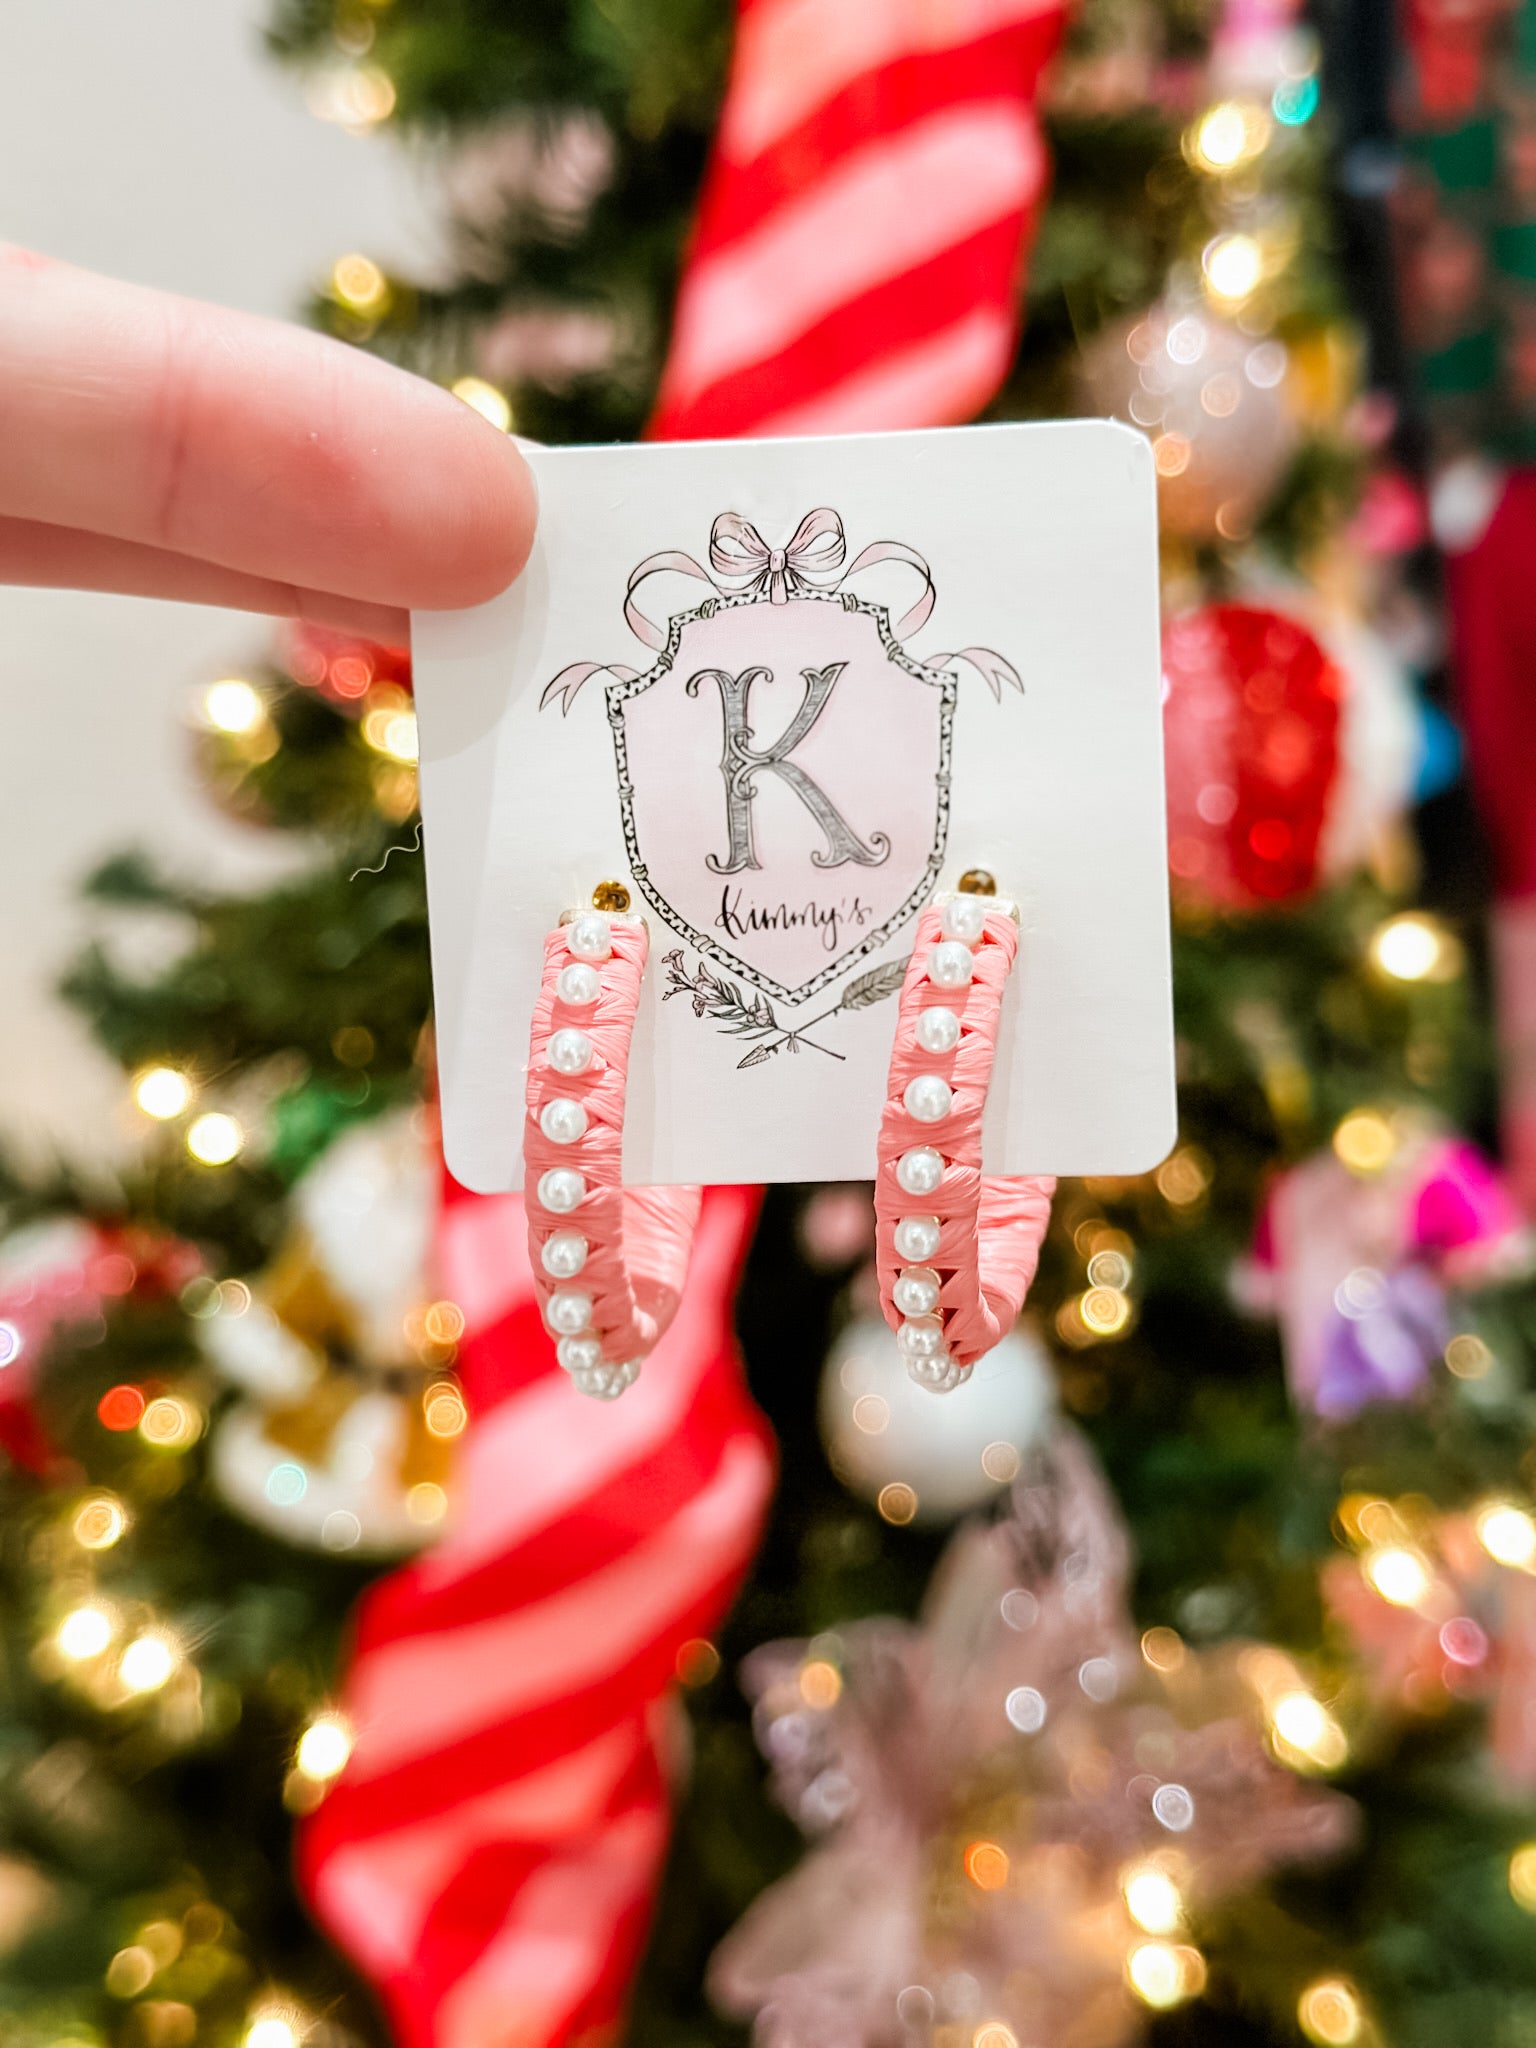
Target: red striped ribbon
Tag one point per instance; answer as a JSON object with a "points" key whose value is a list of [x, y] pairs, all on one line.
{"points": [[859, 250]]}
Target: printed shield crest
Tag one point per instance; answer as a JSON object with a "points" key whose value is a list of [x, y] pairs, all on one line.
{"points": [[784, 779]]}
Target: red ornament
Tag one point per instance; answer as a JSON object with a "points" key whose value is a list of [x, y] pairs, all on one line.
{"points": [[1252, 724]]}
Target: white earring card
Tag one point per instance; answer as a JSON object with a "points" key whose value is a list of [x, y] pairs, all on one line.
{"points": [[785, 692]]}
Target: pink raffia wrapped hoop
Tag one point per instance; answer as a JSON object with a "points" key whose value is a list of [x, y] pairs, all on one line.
{"points": [[955, 1250], [608, 1261]]}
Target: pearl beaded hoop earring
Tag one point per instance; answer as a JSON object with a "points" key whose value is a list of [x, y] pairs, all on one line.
{"points": [[608, 1261], [955, 1250]]}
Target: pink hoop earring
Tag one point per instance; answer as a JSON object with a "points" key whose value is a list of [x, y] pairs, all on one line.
{"points": [[608, 1261], [955, 1250]]}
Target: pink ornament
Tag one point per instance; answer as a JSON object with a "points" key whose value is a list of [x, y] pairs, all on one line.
{"points": [[1365, 1259]]}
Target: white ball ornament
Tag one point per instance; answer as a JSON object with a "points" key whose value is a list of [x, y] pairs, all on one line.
{"points": [[938, 1029], [882, 1429], [1212, 400]]}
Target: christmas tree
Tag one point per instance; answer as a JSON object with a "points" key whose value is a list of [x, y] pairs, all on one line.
{"points": [[1301, 1348]]}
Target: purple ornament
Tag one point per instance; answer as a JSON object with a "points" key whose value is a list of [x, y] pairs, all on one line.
{"points": [[1384, 1336]]}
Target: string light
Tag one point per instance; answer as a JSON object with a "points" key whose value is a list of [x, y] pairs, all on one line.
{"points": [[486, 400], [1162, 1975], [821, 1684], [324, 1748], [897, 1503], [986, 1865], [129, 1972], [994, 2034], [443, 1406], [1105, 1311], [1522, 1877], [214, 1139], [1301, 1725], [1184, 1178], [1468, 1357], [392, 732], [162, 1093], [1407, 948], [1233, 266], [698, 1661], [1163, 1649], [1329, 2013], [233, 706], [146, 1664], [1152, 1899], [358, 284], [1227, 135], [356, 97], [1399, 1576], [270, 2030], [1000, 1461], [444, 1322], [170, 1424], [1110, 1269], [1294, 101], [286, 1484], [84, 1633], [1364, 1141], [1507, 1533], [120, 1408], [99, 1521], [426, 1503]]}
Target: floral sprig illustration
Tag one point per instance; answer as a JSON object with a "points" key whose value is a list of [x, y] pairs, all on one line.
{"points": [[713, 995]]}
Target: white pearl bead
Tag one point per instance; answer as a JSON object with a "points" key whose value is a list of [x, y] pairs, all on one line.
{"points": [[964, 918], [580, 1354], [919, 1171], [563, 1120], [916, 1292], [561, 1189], [950, 964], [606, 1382], [928, 1097], [564, 1254], [570, 1052], [917, 1237], [578, 984], [938, 1029], [589, 937], [568, 1312], [922, 1337], [939, 1375]]}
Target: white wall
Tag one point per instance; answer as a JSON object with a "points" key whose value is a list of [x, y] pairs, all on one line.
{"points": [[154, 140]]}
